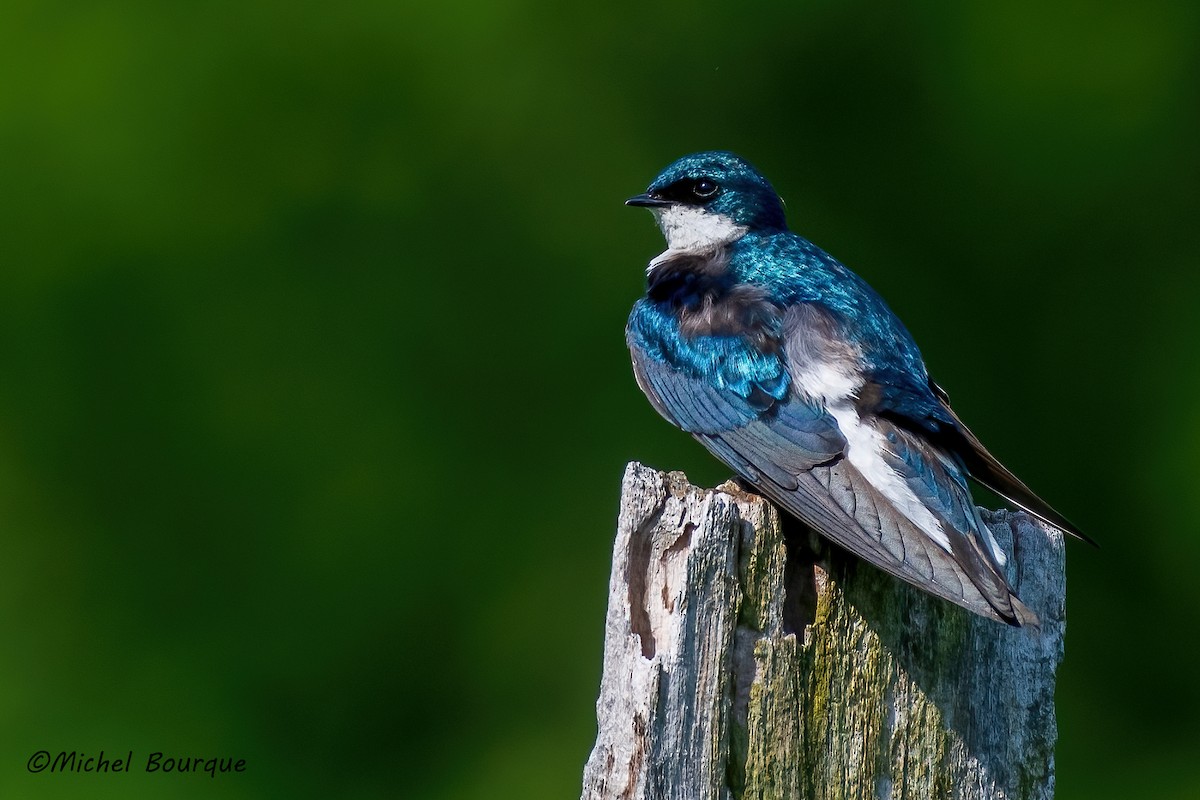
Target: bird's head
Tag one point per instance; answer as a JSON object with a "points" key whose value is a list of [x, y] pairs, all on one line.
{"points": [[706, 200]]}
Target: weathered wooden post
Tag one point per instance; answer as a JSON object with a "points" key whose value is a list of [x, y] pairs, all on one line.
{"points": [[741, 665]]}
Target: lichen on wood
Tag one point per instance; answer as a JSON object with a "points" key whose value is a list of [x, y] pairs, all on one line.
{"points": [[743, 662]]}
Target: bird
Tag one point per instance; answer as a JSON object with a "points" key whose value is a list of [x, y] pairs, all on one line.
{"points": [[795, 373]]}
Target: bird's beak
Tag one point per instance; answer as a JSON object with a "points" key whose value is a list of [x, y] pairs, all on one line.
{"points": [[647, 201]]}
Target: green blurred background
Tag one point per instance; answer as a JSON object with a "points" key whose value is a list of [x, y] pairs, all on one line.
{"points": [[314, 399]]}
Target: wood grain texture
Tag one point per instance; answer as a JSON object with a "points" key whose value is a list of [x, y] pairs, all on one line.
{"points": [[740, 663]]}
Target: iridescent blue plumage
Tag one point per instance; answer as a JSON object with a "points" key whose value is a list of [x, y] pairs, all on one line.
{"points": [[792, 370]]}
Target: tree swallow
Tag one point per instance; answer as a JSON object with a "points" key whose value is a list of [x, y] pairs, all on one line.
{"points": [[789, 368]]}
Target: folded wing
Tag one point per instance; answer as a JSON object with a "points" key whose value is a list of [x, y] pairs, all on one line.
{"points": [[793, 451]]}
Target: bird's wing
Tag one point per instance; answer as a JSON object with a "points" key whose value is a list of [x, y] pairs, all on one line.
{"points": [[844, 505], [796, 433], [793, 451]]}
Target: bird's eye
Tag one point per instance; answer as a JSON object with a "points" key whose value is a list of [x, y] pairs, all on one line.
{"points": [[704, 188]]}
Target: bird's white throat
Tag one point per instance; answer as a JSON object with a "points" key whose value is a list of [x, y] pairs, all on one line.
{"points": [[688, 228]]}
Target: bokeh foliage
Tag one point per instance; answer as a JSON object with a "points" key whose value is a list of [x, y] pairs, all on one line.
{"points": [[314, 396]]}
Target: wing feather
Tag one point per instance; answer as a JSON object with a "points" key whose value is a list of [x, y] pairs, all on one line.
{"points": [[793, 451], [836, 499], [988, 471]]}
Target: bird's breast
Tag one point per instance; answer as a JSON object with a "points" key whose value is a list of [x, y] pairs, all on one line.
{"points": [[696, 288], [745, 311]]}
